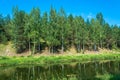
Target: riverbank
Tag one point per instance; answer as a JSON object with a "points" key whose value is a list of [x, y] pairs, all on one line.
{"points": [[57, 59]]}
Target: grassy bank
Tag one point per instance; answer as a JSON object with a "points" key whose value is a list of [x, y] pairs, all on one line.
{"points": [[57, 59]]}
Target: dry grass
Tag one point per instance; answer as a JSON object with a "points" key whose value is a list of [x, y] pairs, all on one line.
{"points": [[8, 50]]}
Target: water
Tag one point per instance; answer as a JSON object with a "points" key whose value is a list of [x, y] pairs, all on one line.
{"points": [[77, 71]]}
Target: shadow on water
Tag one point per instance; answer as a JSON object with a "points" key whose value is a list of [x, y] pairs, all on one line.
{"points": [[80, 71]]}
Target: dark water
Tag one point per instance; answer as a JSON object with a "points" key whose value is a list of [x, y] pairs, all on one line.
{"points": [[79, 71]]}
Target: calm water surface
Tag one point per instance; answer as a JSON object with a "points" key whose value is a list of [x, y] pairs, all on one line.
{"points": [[77, 71]]}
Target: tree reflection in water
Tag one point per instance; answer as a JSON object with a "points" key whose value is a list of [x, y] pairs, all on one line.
{"points": [[80, 71]]}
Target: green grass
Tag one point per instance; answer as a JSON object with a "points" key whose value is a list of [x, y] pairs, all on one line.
{"points": [[57, 59]]}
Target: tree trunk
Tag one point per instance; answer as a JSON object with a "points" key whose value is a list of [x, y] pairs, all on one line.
{"points": [[29, 47], [83, 48], [101, 44], [62, 45], [62, 48], [78, 47], [108, 46], [52, 49], [62, 41], [94, 47], [34, 46], [49, 49], [116, 44], [39, 47]]}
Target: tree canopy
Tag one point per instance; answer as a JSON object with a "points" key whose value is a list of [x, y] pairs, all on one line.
{"points": [[57, 31]]}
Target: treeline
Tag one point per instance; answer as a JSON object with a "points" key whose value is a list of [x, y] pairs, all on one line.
{"points": [[57, 31]]}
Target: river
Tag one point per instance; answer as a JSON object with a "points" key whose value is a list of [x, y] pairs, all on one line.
{"points": [[109, 70]]}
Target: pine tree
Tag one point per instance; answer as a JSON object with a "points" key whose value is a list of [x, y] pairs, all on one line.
{"points": [[61, 28], [71, 30], [35, 30], [115, 36], [53, 41], [18, 30], [45, 30], [3, 37], [108, 36], [101, 21], [95, 33]]}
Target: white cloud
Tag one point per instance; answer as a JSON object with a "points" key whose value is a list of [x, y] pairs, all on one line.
{"points": [[87, 16], [90, 16]]}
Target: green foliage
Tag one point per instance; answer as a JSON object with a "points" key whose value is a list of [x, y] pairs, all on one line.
{"points": [[57, 31], [18, 30], [3, 29]]}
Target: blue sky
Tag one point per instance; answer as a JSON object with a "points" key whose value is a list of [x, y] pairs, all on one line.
{"points": [[85, 8]]}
